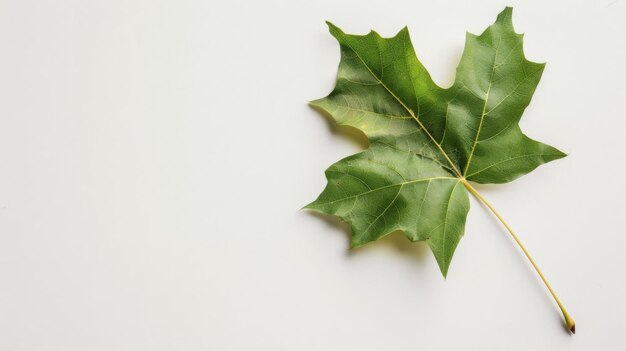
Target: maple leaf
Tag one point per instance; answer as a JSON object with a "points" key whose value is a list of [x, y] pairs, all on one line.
{"points": [[426, 142]]}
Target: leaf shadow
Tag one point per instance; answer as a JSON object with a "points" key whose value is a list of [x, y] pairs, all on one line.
{"points": [[355, 135], [395, 241]]}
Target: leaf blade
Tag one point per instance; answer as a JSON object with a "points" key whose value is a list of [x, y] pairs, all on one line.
{"points": [[375, 191], [416, 128]]}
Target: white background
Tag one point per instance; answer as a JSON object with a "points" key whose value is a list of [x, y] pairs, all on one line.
{"points": [[154, 156]]}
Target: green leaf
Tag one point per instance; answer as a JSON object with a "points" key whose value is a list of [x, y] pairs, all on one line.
{"points": [[427, 142]]}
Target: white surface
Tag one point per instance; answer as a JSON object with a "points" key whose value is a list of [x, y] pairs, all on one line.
{"points": [[154, 155]]}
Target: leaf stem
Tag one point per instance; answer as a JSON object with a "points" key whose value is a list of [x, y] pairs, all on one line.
{"points": [[569, 322]]}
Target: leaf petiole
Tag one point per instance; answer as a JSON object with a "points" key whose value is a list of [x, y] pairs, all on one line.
{"points": [[569, 321]]}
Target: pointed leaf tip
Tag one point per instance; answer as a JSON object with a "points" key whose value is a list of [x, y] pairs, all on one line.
{"points": [[506, 16], [375, 34], [333, 29], [404, 31], [354, 244]]}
